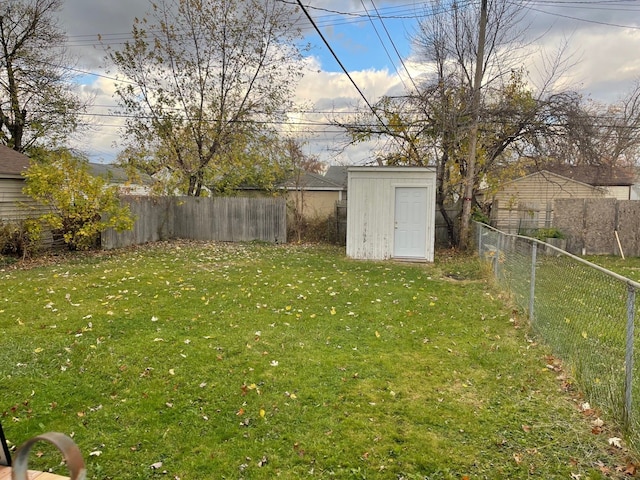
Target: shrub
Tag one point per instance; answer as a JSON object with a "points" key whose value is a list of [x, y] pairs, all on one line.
{"points": [[81, 205], [313, 230], [19, 238], [543, 233]]}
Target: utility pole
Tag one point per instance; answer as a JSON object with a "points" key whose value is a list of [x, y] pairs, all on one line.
{"points": [[469, 181]]}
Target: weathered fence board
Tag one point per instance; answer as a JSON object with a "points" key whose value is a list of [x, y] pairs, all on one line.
{"points": [[226, 219], [590, 225]]}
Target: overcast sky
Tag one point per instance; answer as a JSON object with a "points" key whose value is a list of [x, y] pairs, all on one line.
{"points": [[603, 36]]}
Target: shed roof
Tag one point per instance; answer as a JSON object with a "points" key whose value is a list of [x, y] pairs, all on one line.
{"points": [[12, 163]]}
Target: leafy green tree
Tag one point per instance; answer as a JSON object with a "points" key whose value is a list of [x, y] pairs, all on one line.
{"points": [[38, 101], [204, 81], [80, 205]]}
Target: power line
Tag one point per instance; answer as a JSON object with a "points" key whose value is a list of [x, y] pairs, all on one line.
{"points": [[400, 12], [394, 47], [573, 17], [383, 45], [334, 18], [343, 67]]}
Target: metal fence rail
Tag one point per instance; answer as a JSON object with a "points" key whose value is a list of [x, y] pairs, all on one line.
{"points": [[585, 313]]}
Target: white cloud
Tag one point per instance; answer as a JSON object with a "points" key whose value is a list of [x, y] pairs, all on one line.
{"points": [[609, 63], [335, 97], [99, 137]]}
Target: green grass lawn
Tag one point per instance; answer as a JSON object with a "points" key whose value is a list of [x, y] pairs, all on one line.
{"points": [[197, 361], [628, 267]]}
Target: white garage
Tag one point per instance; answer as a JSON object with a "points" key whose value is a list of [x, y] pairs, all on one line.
{"points": [[391, 213]]}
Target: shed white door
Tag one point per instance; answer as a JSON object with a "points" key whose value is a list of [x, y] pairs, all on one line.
{"points": [[410, 239]]}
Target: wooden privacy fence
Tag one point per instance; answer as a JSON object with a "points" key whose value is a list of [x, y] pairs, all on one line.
{"points": [[224, 219], [594, 225]]}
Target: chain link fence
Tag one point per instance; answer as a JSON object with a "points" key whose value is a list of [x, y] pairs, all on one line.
{"points": [[585, 313]]}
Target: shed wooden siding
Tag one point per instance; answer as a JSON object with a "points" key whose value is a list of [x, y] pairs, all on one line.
{"points": [[531, 198], [371, 209]]}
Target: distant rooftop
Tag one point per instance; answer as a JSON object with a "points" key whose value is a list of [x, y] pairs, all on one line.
{"points": [[337, 174], [314, 181], [116, 174], [596, 175]]}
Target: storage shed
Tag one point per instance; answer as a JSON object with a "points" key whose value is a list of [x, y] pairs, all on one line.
{"points": [[391, 213]]}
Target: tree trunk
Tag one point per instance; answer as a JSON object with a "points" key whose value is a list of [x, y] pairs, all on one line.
{"points": [[470, 177], [191, 191], [441, 199]]}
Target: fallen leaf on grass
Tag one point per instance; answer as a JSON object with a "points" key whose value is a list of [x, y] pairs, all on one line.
{"points": [[615, 442], [603, 468], [155, 466], [597, 426]]}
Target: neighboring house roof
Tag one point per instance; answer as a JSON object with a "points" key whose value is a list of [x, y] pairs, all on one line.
{"points": [[338, 174], [595, 175], [334, 180], [312, 181], [546, 175], [117, 175], [12, 163]]}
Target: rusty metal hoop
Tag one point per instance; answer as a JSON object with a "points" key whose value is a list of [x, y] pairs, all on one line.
{"points": [[69, 449]]}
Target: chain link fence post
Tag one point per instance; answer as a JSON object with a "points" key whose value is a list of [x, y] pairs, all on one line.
{"points": [[532, 287], [496, 258], [628, 384]]}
